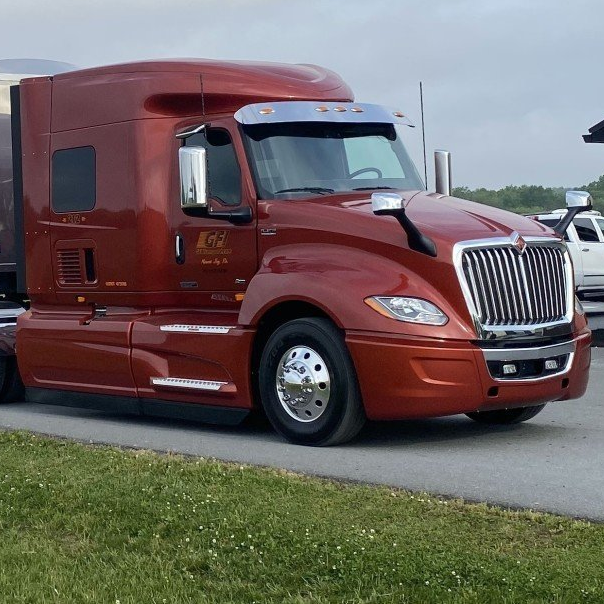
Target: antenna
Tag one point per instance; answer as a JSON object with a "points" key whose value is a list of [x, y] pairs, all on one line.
{"points": [[421, 102]]}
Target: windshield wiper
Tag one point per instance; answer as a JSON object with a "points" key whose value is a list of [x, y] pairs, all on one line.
{"points": [[371, 188], [321, 190]]}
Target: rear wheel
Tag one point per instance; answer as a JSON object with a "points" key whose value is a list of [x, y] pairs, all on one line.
{"points": [[506, 416], [308, 385], [11, 388]]}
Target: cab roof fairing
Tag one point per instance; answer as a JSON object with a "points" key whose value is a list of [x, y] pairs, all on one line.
{"points": [[317, 111]]}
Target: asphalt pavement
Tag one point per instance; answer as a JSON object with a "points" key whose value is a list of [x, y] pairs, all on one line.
{"points": [[554, 462]]}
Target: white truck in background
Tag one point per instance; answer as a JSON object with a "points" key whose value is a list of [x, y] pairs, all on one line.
{"points": [[585, 241]]}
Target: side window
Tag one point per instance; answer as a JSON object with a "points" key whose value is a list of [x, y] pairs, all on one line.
{"points": [[73, 180], [552, 222], [586, 230], [224, 176]]}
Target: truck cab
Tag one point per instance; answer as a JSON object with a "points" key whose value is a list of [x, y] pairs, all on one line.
{"points": [[202, 239]]}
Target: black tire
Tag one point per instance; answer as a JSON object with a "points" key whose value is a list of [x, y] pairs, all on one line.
{"points": [[343, 415], [12, 387], [506, 416]]}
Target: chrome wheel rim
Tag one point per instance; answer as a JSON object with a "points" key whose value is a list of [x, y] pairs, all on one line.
{"points": [[303, 384]]}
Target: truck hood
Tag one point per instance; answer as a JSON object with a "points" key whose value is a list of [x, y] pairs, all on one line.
{"points": [[448, 220], [339, 243]]}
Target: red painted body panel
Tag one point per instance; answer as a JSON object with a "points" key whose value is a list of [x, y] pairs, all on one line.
{"points": [[329, 251], [57, 349], [403, 377], [216, 357], [35, 141]]}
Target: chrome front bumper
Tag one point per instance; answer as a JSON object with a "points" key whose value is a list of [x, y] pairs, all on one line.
{"points": [[532, 364]]}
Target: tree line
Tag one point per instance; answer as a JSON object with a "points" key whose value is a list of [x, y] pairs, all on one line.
{"points": [[531, 199]]}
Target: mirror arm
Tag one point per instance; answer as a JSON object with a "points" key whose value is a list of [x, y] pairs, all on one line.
{"points": [[416, 239], [240, 215], [565, 221]]}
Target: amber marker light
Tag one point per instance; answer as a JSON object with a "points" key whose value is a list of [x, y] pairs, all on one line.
{"points": [[266, 111], [339, 109], [81, 299], [321, 109], [239, 297], [356, 110], [377, 307], [398, 114]]}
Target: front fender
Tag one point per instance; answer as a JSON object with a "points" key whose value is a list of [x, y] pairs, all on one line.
{"points": [[337, 279]]}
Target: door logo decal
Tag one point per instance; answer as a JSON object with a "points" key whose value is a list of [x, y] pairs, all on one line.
{"points": [[211, 240], [214, 245]]}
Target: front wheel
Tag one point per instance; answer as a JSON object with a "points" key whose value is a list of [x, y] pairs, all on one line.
{"points": [[308, 385], [506, 416]]}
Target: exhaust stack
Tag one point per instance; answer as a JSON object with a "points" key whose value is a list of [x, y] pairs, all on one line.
{"points": [[442, 172]]}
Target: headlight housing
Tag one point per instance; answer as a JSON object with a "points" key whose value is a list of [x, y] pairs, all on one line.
{"points": [[410, 310]]}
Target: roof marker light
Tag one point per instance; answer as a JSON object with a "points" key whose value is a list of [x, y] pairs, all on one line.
{"points": [[322, 109], [356, 110], [266, 111], [398, 114], [339, 109]]}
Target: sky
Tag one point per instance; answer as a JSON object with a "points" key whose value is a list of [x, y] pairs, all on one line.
{"points": [[509, 86]]}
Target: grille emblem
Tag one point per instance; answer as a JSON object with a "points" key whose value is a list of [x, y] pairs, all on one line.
{"points": [[518, 242]]}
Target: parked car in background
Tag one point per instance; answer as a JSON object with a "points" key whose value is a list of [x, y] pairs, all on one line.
{"points": [[585, 241]]}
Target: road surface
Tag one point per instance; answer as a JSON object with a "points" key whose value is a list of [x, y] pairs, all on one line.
{"points": [[555, 462]]}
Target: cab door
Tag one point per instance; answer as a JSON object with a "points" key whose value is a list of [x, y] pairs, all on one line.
{"points": [[211, 254], [591, 244], [574, 247]]}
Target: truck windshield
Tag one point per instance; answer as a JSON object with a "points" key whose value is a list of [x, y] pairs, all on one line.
{"points": [[297, 158]]}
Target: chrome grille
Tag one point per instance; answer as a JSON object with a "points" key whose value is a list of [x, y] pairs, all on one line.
{"points": [[509, 288]]}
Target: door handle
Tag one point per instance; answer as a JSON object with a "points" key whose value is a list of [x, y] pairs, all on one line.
{"points": [[585, 249], [180, 249]]}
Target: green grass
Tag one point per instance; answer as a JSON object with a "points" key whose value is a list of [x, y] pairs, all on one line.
{"points": [[83, 524]]}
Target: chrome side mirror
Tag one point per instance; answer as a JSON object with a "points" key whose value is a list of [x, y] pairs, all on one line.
{"points": [[576, 202], [193, 170], [382, 202], [442, 172], [579, 199], [393, 204]]}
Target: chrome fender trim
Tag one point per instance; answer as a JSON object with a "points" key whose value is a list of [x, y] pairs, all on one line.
{"points": [[172, 382], [214, 329]]}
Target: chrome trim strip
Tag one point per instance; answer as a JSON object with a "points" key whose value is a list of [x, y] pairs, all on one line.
{"points": [[182, 328], [525, 354], [511, 330], [188, 384], [563, 371], [306, 111]]}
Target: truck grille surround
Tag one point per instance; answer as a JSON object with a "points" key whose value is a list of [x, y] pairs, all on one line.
{"points": [[514, 283]]}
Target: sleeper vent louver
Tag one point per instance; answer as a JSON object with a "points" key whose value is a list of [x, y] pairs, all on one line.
{"points": [[69, 264]]}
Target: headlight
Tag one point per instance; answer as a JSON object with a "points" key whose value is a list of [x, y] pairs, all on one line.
{"points": [[411, 310]]}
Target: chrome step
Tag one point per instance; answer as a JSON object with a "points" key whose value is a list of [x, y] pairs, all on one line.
{"points": [[172, 382], [182, 328]]}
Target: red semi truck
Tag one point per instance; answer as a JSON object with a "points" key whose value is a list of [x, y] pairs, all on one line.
{"points": [[197, 238]]}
